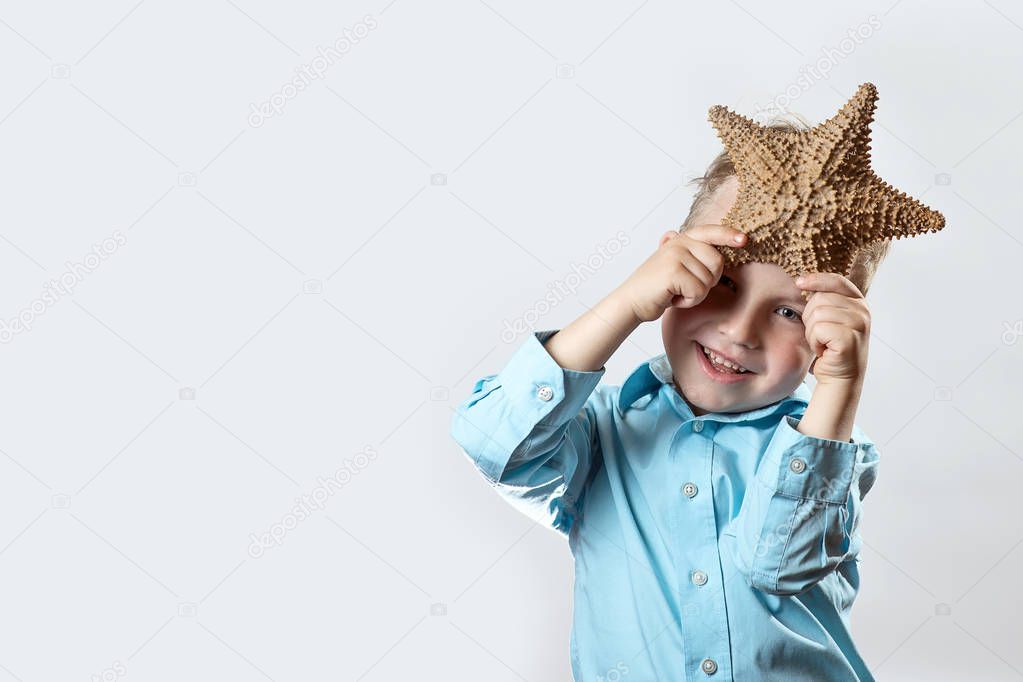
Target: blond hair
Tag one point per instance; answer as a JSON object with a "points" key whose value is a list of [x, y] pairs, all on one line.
{"points": [[721, 169]]}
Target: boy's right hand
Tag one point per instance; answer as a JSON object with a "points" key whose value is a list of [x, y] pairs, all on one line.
{"points": [[681, 272]]}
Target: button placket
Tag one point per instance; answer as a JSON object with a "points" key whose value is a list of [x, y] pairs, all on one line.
{"points": [[699, 464]]}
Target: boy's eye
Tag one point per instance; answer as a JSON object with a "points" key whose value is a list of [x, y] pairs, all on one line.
{"points": [[795, 314]]}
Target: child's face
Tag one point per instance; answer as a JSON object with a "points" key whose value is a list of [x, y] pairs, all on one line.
{"points": [[751, 315]]}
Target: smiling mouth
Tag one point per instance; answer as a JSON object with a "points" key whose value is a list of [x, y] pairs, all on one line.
{"points": [[722, 377], [724, 366]]}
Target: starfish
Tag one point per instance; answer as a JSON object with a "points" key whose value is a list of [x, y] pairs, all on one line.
{"points": [[808, 200]]}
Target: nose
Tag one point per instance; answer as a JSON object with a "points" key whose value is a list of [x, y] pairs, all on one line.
{"points": [[738, 326]]}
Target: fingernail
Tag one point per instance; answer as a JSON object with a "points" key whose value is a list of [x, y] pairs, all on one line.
{"points": [[738, 237], [800, 279]]}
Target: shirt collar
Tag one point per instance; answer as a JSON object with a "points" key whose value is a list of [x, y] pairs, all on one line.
{"points": [[653, 374]]}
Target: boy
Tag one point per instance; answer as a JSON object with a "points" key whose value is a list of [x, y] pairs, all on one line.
{"points": [[712, 502]]}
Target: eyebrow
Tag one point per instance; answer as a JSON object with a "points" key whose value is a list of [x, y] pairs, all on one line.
{"points": [[794, 301], [797, 301]]}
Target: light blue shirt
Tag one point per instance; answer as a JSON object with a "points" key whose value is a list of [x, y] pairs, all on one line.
{"points": [[720, 547]]}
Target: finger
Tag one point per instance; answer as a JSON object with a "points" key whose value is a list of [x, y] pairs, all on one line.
{"points": [[687, 290], [713, 233], [710, 256], [824, 334], [836, 315], [829, 299], [828, 281], [692, 281], [699, 268]]}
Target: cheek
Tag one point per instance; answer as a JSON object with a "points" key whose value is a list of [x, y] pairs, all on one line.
{"points": [[679, 327], [678, 322], [791, 357], [672, 325]]}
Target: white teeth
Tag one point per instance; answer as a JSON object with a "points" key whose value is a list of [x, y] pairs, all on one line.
{"points": [[717, 360]]}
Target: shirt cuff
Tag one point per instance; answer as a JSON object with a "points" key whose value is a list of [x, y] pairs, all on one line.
{"points": [[540, 396], [540, 388], [808, 467]]}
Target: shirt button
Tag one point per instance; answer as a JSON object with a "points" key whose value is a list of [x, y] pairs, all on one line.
{"points": [[698, 426], [689, 489], [545, 393], [709, 666], [797, 465], [699, 577]]}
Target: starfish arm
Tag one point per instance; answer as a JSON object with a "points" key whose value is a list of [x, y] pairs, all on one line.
{"points": [[851, 125], [739, 135], [894, 214]]}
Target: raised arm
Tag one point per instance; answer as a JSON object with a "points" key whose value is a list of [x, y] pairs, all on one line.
{"points": [[679, 273], [531, 429], [799, 520], [800, 517]]}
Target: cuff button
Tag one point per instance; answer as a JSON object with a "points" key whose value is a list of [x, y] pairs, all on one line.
{"points": [[545, 393]]}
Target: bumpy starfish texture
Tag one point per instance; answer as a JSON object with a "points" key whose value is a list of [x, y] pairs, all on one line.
{"points": [[808, 200]]}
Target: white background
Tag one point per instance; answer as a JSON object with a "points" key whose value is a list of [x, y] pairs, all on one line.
{"points": [[332, 282]]}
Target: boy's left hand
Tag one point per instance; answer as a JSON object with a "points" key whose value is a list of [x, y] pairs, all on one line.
{"points": [[837, 322]]}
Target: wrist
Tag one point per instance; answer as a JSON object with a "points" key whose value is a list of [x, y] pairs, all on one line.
{"points": [[840, 387], [620, 301], [832, 410]]}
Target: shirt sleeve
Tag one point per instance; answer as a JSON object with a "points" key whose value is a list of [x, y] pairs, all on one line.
{"points": [[531, 431], [799, 518]]}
